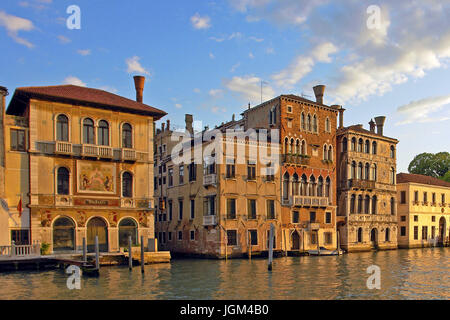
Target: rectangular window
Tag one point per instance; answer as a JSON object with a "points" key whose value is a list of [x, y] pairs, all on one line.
{"points": [[192, 235], [170, 210], [181, 174], [232, 237], [20, 237], [209, 206], [312, 216], [170, 236], [180, 210], [443, 198], [328, 237], [274, 239], [403, 218], [18, 140], [424, 233], [433, 232], [251, 170], [416, 196], [155, 183], [163, 237], [403, 197], [231, 169], [192, 209], [416, 218], [170, 177], [425, 197], [295, 217], [253, 237], [251, 209], [416, 233], [192, 172], [433, 219], [313, 238], [403, 231], [271, 209], [180, 235], [270, 172], [433, 198], [231, 208], [328, 217]]}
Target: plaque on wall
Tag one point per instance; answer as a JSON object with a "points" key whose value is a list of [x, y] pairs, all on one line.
{"points": [[95, 177], [97, 202]]}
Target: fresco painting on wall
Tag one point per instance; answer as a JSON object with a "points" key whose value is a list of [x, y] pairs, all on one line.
{"points": [[95, 177]]}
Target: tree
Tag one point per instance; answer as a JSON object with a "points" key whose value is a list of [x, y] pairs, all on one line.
{"points": [[446, 177], [429, 164]]}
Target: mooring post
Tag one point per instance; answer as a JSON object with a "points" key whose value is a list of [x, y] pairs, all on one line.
{"points": [[271, 234], [142, 254], [338, 243], [130, 257], [84, 250], [318, 245], [249, 242], [97, 254]]}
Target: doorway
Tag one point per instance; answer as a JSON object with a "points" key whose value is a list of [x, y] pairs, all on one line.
{"points": [[97, 227]]}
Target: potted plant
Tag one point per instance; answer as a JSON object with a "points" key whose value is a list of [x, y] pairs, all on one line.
{"points": [[45, 249]]}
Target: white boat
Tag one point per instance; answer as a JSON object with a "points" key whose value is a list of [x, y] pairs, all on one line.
{"points": [[324, 252]]}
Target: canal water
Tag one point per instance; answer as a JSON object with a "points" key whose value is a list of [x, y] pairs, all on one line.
{"points": [[405, 274]]}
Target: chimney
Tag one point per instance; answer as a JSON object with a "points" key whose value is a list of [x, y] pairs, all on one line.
{"points": [[168, 125], [189, 120], [163, 126], [380, 124], [233, 118], [139, 82], [372, 126], [341, 115], [319, 91]]}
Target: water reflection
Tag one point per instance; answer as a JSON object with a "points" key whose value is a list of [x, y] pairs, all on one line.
{"points": [[405, 274]]}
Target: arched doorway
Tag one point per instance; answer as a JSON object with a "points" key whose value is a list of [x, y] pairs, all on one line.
{"points": [[374, 237], [63, 234], [295, 243], [442, 233], [97, 227], [127, 227]]}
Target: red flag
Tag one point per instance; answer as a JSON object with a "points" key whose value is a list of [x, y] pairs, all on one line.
{"points": [[19, 207]]}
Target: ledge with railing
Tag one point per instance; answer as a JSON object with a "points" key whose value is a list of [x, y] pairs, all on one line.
{"points": [[296, 159], [20, 250], [308, 201], [210, 220], [209, 179]]}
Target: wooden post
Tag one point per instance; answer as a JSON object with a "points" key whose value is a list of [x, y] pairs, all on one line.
{"points": [[142, 254], [130, 257], [97, 254], [249, 242], [84, 250], [271, 235], [318, 245], [338, 243], [13, 249], [285, 243]]}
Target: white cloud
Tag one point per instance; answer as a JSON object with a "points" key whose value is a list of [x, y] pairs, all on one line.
{"points": [[84, 52], [197, 90], [256, 39], [178, 105], [217, 39], [217, 109], [234, 67], [251, 56], [420, 110], [134, 66], [249, 88], [212, 56], [199, 22], [63, 39], [75, 81], [235, 35], [270, 50], [109, 89], [215, 93], [14, 25], [303, 64]]}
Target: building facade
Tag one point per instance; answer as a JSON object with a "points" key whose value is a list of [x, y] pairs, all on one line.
{"points": [[219, 206], [423, 211], [79, 164], [366, 170], [307, 167]]}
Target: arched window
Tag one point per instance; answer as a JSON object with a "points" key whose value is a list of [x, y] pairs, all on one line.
{"points": [[88, 131], [352, 203], [374, 205], [325, 152], [327, 125], [344, 145], [302, 120], [360, 145], [296, 185], [286, 145], [353, 144], [367, 147], [286, 186], [127, 228], [127, 136], [63, 178], [127, 185], [103, 133], [303, 185], [388, 235], [374, 172], [312, 186], [393, 206], [353, 171], [360, 203], [297, 147], [360, 171], [360, 235], [63, 234], [392, 174], [303, 147], [320, 187], [367, 172], [330, 153], [315, 124], [62, 128], [367, 205], [291, 146], [374, 147], [328, 189], [392, 152], [309, 124]]}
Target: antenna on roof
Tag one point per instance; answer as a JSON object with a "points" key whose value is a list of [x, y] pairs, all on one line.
{"points": [[305, 95]]}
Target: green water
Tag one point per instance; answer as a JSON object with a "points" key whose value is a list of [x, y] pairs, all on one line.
{"points": [[405, 274]]}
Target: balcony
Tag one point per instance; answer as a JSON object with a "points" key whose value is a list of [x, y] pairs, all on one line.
{"points": [[209, 221], [296, 159], [105, 152], [88, 150], [305, 201], [286, 201], [63, 147], [128, 154], [312, 226], [361, 184], [209, 179]]}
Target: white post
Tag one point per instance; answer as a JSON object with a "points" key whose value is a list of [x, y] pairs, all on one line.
{"points": [[13, 248], [271, 236], [130, 258]]}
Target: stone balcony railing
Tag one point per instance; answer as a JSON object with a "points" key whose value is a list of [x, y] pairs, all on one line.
{"points": [[372, 218], [63, 147], [209, 220], [361, 184], [128, 154], [89, 150], [105, 152], [296, 159], [307, 201], [209, 179]]}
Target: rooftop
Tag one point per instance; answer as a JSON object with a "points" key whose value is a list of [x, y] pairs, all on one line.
{"points": [[418, 178], [79, 95]]}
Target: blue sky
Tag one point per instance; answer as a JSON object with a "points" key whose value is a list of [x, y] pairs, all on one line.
{"points": [[208, 58]]}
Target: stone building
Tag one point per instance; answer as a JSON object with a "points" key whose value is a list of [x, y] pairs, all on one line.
{"points": [[423, 211], [307, 131], [366, 171], [219, 206], [80, 162]]}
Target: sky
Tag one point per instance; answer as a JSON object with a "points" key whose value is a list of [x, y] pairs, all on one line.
{"points": [[210, 58]]}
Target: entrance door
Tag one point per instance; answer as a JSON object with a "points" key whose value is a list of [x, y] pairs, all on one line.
{"points": [[374, 237], [442, 234], [295, 245], [63, 235], [97, 227]]}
